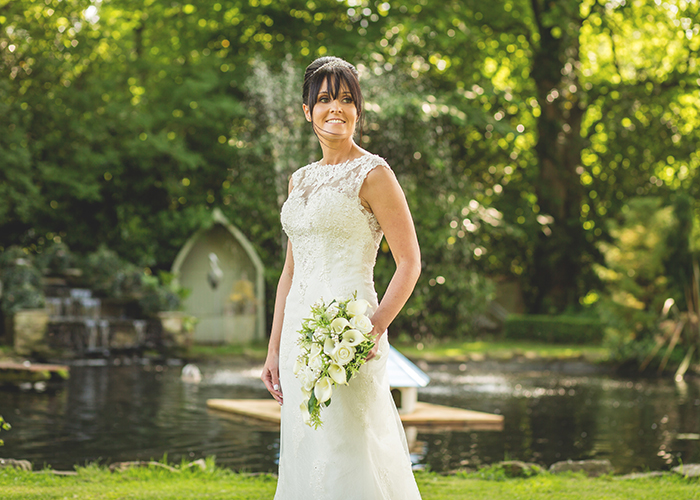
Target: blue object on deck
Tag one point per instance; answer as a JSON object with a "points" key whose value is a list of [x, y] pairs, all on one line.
{"points": [[403, 373]]}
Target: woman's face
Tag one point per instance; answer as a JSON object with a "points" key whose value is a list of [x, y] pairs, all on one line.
{"points": [[333, 119]]}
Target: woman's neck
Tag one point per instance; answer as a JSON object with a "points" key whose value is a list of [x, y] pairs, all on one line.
{"points": [[334, 153]]}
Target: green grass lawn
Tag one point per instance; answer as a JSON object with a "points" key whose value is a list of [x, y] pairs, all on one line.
{"points": [[463, 350], [440, 351], [154, 484]]}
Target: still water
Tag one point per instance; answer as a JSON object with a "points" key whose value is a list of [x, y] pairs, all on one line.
{"points": [[137, 411]]}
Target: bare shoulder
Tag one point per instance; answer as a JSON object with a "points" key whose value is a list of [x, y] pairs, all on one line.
{"points": [[380, 175]]}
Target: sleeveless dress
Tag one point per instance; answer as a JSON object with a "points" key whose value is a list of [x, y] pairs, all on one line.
{"points": [[360, 452]]}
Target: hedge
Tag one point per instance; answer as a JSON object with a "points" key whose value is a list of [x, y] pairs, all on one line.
{"points": [[554, 329]]}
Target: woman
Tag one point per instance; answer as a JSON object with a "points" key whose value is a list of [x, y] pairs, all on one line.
{"points": [[336, 213]]}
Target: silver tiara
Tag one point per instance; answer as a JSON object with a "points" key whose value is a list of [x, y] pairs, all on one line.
{"points": [[335, 63]]}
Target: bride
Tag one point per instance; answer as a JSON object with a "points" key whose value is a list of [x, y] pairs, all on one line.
{"points": [[336, 213]]}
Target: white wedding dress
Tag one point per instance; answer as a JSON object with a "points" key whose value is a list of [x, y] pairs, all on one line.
{"points": [[360, 453]]}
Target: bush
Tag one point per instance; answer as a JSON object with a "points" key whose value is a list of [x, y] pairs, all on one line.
{"points": [[109, 275], [55, 259], [554, 329], [157, 297]]}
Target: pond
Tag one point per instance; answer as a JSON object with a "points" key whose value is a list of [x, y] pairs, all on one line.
{"points": [[138, 411]]}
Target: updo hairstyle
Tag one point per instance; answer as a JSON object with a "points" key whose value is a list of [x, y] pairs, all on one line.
{"points": [[338, 72]]}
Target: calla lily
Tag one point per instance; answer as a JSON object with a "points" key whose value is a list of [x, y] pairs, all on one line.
{"points": [[298, 365], [315, 350], [356, 307], [329, 346], [339, 324], [337, 373], [353, 337], [323, 390]]}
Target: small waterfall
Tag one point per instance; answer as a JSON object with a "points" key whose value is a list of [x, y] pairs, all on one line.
{"points": [[91, 328], [77, 323], [140, 327]]}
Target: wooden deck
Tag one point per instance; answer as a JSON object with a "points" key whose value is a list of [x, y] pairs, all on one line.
{"points": [[426, 416], [32, 372]]}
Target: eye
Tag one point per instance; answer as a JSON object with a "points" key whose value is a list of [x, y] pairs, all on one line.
{"points": [[323, 98], [348, 100]]}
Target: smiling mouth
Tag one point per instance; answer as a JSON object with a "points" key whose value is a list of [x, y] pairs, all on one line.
{"points": [[335, 121]]}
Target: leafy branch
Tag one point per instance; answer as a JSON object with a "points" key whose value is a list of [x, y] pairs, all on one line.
{"points": [[4, 426]]}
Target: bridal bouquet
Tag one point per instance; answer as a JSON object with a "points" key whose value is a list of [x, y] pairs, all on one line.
{"points": [[334, 344]]}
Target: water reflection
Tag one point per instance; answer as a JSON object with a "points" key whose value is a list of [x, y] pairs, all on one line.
{"points": [[135, 411], [551, 417]]}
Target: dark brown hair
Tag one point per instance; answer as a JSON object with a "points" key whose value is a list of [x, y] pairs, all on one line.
{"points": [[337, 72]]}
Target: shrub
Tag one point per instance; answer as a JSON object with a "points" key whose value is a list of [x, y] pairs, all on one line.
{"points": [[554, 329], [55, 259], [4, 426], [156, 297], [21, 282]]}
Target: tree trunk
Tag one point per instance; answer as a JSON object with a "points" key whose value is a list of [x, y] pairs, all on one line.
{"points": [[559, 250]]}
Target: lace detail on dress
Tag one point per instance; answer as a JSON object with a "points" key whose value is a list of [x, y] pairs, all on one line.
{"points": [[324, 216]]}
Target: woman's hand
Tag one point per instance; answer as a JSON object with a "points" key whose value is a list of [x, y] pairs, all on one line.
{"points": [[373, 352], [271, 377]]}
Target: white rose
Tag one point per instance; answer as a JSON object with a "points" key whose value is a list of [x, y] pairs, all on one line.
{"points": [[316, 363], [323, 390], [337, 373], [357, 307], [353, 337], [307, 379], [329, 346], [343, 354], [339, 324], [362, 323]]}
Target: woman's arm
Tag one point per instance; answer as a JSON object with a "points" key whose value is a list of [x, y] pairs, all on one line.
{"points": [[382, 194], [271, 372]]}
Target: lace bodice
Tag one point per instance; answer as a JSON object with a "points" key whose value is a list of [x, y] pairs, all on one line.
{"points": [[332, 234], [360, 453]]}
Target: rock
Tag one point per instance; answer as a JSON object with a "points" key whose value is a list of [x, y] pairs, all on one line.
{"points": [[641, 475], [24, 465], [688, 470], [201, 463], [592, 468], [123, 466], [516, 468]]}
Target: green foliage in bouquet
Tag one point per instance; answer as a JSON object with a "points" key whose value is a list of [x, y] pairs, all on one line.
{"points": [[334, 341]]}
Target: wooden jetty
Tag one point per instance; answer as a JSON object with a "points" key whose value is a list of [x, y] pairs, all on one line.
{"points": [[426, 416], [17, 373]]}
